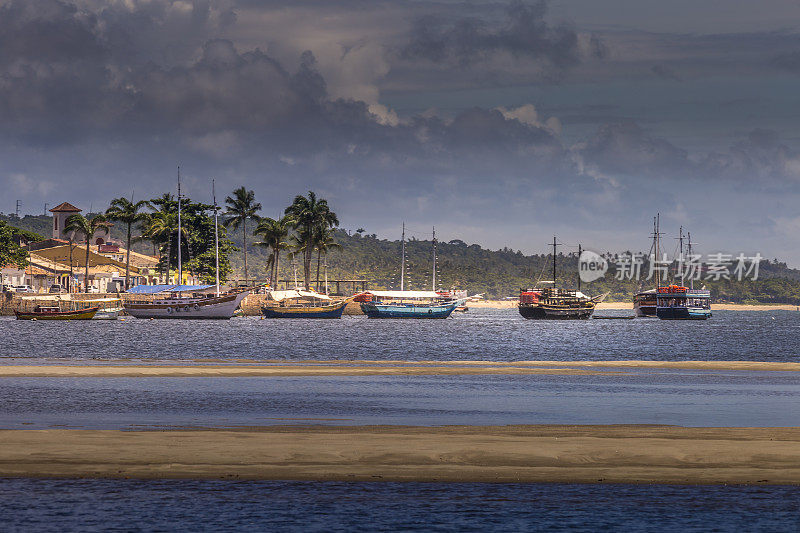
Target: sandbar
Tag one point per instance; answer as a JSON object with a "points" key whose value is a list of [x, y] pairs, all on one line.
{"points": [[548, 453], [333, 368]]}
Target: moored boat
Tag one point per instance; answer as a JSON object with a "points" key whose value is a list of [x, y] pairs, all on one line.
{"points": [[554, 303], [41, 312], [303, 304], [184, 302], [645, 303], [408, 304], [682, 303]]}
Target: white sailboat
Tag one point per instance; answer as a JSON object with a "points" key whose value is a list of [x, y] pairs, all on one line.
{"points": [[188, 301]]}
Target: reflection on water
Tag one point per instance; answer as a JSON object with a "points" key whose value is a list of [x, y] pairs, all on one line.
{"points": [[684, 398], [480, 334], [119, 505]]}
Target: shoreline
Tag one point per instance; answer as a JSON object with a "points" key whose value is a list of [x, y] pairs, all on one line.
{"points": [[546, 453], [334, 368], [619, 306]]}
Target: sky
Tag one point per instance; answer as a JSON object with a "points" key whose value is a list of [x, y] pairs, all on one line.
{"points": [[501, 123]]}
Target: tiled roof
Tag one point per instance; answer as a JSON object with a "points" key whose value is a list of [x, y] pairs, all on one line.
{"points": [[65, 207]]}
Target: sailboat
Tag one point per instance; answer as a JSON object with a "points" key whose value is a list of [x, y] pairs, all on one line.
{"points": [[552, 302], [409, 304], [645, 302], [188, 301]]}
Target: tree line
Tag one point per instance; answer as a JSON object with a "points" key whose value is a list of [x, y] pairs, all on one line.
{"points": [[305, 229]]}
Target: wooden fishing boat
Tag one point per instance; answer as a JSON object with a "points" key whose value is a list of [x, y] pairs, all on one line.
{"points": [[184, 302], [557, 304], [188, 301], [303, 304], [41, 312], [645, 301], [554, 303]]}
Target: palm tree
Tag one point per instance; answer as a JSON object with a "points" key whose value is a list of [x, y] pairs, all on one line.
{"points": [[158, 227], [123, 210], [323, 241], [309, 214], [80, 224], [241, 206], [274, 232]]}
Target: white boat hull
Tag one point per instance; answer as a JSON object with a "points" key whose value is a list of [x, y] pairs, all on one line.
{"points": [[107, 314], [221, 307]]}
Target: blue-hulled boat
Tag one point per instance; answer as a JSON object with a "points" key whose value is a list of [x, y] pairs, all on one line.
{"points": [[408, 304], [681, 303]]}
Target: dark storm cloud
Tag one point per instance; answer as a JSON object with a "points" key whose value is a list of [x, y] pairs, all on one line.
{"points": [[759, 156], [525, 33], [625, 148]]}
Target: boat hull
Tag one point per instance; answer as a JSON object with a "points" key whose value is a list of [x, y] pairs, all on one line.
{"points": [[107, 314], [80, 314], [683, 313], [326, 311], [644, 310], [540, 312], [218, 307], [378, 310]]}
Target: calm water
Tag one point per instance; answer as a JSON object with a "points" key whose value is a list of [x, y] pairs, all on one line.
{"points": [[668, 397], [688, 398], [480, 334], [94, 505]]}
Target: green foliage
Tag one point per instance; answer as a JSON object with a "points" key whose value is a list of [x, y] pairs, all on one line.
{"points": [[312, 217], [197, 237], [10, 252], [241, 207], [502, 273]]}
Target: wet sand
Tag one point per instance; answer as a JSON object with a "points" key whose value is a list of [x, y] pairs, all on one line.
{"points": [[255, 368], [548, 453]]}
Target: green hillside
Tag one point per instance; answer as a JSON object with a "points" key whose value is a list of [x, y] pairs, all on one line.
{"points": [[498, 273]]}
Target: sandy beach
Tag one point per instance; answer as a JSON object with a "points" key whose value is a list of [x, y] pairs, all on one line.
{"points": [[247, 368], [590, 454]]}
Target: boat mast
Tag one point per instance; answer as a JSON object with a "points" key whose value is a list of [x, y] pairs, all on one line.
{"points": [[216, 233], [180, 264], [403, 259], [689, 253], [434, 259], [657, 246], [680, 257], [579, 266], [554, 261]]}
